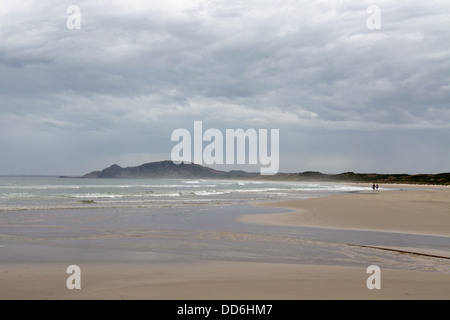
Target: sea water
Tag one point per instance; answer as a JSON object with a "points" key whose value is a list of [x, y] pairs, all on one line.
{"points": [[35, 193]]}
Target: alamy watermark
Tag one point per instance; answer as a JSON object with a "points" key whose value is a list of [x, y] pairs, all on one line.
{"points": [[229, 148], [73, 21], [374, 280], [74, 280], [373, 22]]}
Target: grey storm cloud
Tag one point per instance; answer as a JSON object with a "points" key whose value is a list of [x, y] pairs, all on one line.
{"points": [[345, 97]]}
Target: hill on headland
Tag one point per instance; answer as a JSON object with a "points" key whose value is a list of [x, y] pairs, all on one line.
{"points": [[168, 170]]}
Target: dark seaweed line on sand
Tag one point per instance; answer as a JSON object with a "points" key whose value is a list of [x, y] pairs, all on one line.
{"points": [[400, 251]]}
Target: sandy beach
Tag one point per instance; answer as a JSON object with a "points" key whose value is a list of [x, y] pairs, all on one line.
{"points": [[418, 210], [217, 281]]}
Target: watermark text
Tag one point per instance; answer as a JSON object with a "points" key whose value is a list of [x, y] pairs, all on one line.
{"points": [[229, 148]]}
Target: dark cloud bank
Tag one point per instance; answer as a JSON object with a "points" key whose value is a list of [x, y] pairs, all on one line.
{"points": [[345, 97]]}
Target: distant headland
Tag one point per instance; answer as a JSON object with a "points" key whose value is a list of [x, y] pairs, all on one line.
{"points": [[168, 170]]}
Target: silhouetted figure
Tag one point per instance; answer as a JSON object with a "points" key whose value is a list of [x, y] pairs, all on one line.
{"points": [[373, 186]]}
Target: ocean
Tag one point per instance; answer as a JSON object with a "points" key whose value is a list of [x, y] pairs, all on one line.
{"points": [[45, 193]]}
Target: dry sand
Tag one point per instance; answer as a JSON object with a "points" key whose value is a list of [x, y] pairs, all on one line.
{"points": [[423, 210], [411, 211], [217, 281]]}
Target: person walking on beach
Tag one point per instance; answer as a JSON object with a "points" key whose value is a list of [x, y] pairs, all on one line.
{"points": [[376, 186], [373, 186]]}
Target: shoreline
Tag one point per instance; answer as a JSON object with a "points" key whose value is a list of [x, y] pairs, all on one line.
{"points": [[420, 210]]}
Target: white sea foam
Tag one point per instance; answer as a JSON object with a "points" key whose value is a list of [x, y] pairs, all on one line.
{"points": [[208, 193], [97, 195], [16, 195], [22, 193]]}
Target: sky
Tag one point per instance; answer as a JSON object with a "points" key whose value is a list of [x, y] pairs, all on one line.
{"points": [[360, 86]]}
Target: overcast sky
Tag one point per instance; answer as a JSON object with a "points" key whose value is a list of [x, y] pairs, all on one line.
{"points": [[344, 96]]}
